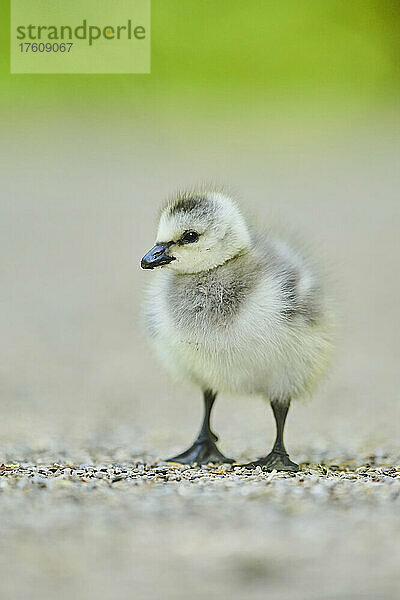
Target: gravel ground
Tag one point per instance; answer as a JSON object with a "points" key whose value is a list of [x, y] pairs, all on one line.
{"points": [[114, 528]]}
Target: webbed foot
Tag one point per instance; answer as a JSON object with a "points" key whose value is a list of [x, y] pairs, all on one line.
{"points": [[274, 460], [202, 452]]}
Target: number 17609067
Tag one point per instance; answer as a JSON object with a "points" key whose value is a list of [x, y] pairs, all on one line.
{"points": [[46, 47]]}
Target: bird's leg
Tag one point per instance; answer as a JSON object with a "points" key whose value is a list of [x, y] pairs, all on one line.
{"points": [[278, 458], [204, 449]]}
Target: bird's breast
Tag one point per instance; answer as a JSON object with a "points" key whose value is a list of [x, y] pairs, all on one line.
{"points": [[209, 302]]}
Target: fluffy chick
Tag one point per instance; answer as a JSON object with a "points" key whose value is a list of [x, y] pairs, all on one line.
{"points": [[235, 311]]}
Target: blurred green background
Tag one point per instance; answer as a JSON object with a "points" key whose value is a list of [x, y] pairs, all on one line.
{"points": [[238, 57]]}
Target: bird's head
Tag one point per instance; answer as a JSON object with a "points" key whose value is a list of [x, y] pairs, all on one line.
{"points": [[197, 232]]}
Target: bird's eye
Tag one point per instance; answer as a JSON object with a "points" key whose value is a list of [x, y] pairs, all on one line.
{"points": [[189, 237]]}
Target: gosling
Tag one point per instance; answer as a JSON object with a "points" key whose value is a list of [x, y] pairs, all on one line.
{"points": [[234, 311]]}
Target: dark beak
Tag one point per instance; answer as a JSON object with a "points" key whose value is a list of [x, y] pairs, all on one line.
{"points": [[156, 257]]}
